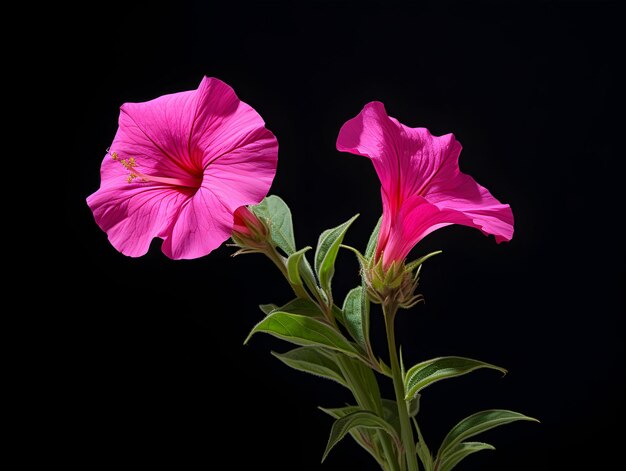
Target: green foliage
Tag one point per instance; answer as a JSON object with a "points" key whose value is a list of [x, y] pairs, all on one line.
{"points": [[360, 419], [451, 450], [356, 318], [326, 253], [373, 240], [277, 216], [267, 308], [295, 265], [431, 371], [303, 330], [313, 322], [461, 451], [416, 263], [304, 307], [316, 361]]}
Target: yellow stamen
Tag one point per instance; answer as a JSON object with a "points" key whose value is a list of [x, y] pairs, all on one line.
{"points": [[130, 164]]}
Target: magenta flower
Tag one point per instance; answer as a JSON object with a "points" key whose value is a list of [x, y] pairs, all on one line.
{"points": [[422, 186], [179, 167]]}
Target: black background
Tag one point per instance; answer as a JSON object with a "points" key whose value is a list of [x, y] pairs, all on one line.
{"points": [[528, 89]]}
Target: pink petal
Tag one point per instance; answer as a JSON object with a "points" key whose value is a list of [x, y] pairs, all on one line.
{"points": [[244, 176], [201, 226], [239, 155], [373, 134], [224, 124], [133, 214], [157, 133]]}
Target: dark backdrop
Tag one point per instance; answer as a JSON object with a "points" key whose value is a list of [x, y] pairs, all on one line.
{"points": [[528, 89]]}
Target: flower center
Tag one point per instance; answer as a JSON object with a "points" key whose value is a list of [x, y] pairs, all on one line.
{"points": [[134, 173]]}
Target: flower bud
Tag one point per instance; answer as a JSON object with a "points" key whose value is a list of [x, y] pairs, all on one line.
{"points": [[249, 232]]}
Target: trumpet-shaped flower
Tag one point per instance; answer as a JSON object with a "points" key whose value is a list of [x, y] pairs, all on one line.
{"points": [[179, 167], [422, 186]]}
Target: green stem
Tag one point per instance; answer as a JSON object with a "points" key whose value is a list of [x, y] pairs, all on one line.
{"points": [[362, 397], [368, 402], [281, 263], [408, 441]]}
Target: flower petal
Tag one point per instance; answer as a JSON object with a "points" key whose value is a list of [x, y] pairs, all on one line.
{"points": [[375, 135], [133, 214], [244, 176], [201, 226], [157, 133], [224, 124], [415, 220], [239, 155]]}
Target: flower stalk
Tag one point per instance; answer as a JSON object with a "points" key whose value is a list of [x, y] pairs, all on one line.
{"points": [[390, 310]]}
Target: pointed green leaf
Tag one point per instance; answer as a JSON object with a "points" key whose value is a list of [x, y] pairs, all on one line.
{"points": [[303, 330], [461, 451], [308, 276], [313, 360], [373, 241], [431, 371], [276, 214], [359, 419], [304, 307], [267, 308], [475, 424], [339, 412], [326, 252], [295, 265], [367, 438], [353, 316], [416, 263]]}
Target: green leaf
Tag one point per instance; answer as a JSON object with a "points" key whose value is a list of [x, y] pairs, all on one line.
{"points": [[313, 360], [326, 253], [461, 451], [304, 307], [431, 371], [339, 412], [416, 263], [267, 308], [373, 241], [360, 419], [294, 266], [475, 424], [353, 317], [367, 438], [303, 330], [306, 271], [276, 214]]}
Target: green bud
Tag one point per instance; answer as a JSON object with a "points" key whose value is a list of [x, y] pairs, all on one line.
{"points": [[395, 283]]}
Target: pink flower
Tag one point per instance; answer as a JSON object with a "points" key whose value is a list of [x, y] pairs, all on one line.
{"points": [[179, 167], [422, 186]]}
